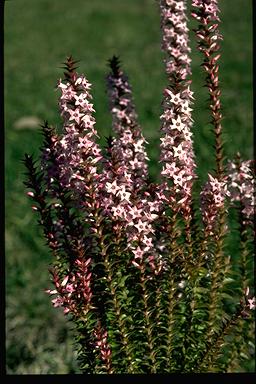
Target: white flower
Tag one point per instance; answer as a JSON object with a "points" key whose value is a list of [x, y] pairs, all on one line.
{"points": [[112, 187], [177, 124], [123, 194]]}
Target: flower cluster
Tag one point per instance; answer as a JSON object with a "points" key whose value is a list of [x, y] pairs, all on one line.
{"points": [[128, 148], [208, 38], [175, 38], [241, 184], [135, 216], [78, 153], [213, 197], [75, 288], [140, 232], [248, 303], [125, 172], [176, 146], [102, 345], [207, 7]]}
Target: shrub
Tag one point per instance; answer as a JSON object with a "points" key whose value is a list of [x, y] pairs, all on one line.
{"points": [[143, 269]]}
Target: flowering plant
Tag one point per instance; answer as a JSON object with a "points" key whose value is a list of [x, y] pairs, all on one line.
{"points": [[143, 269]]}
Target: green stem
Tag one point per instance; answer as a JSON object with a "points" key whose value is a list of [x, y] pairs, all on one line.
{"points": [[170, 321], [212, 351], [217, 278], [147, 315], [119, 317], [171, 289], [220, 268]]}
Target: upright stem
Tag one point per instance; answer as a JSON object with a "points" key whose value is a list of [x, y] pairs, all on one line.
{"points": [[147, 317], [217, 277], [214, 346], [119, 324], [208, 38], [171, 292]]}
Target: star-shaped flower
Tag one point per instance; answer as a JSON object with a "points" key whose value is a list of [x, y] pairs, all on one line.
{"points": [[118, 211], [123, 194], [88, 121], [170, 169], [167, 141], [179, 178], [134, 212], [180, 39], [178, 151], [138, 253], [141, 225], [82, 81], [75, 115], [170, 32], [184, 108], [174, 97], [187, 134], [179, 6], [176, 52], [68, 93], [177, 124], [138, 146], [251, 303], [126, 137], [112, 187]]}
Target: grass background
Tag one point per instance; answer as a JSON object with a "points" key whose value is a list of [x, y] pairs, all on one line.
{"points": [[38, 35]]}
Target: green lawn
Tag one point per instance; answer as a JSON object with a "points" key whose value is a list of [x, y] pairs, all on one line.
{"points": [[38, 37]]}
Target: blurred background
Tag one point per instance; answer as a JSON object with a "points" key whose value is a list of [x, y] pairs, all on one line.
{"points": [[38, 36]]}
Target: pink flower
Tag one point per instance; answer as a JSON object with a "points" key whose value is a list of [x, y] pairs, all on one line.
{"points": [[178, 151], [177, 154], [144, 227], [101, 343], [57, 302], [170, 170], [87, 120], [75, 115], [128, 147], [112, 187], [241, 186], [83, 82], [134, 212], [184, 108], [76, 151], [213, 197], [179, 178], [147, 241], [187, 134], [138, 253], [177, 124], [251, 303], [118, 211], [123, 194], [168, 114], [70, 288], [173, 98]]}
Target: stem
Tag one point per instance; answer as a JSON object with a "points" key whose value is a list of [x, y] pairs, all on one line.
{"points": [[216, 343], [147, 313], [208, 37], [171, 289], [119, 315], [217, 276], [170, 321]]}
